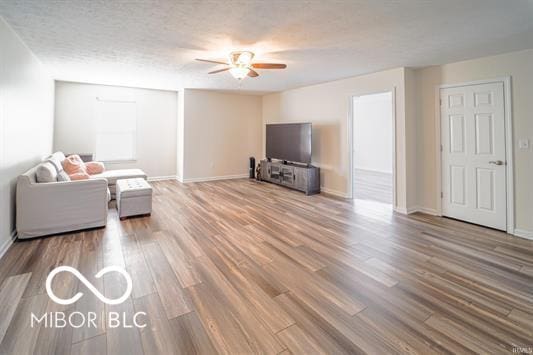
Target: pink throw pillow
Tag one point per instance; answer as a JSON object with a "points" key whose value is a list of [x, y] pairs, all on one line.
{"points": [[79, 176], [74, 165], [95, 167]]}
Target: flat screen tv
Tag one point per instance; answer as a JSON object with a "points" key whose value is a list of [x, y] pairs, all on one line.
{"points": [[289, 141]]}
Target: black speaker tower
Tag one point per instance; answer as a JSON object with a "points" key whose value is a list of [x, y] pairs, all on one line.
{"points": [[252, 168]]}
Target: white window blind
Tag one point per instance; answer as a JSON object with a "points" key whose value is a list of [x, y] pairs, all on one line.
{"points": [[116, 130]]}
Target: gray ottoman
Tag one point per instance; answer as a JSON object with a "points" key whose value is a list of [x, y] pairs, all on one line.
{"points": [[134, 197]]}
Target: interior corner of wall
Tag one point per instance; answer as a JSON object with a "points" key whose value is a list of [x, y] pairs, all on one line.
{"points": [[179, 177]]}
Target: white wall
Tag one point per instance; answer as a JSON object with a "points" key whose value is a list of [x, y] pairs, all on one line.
{"points": [[327, 106], [221, 131], [518, 65], [26, 120], [157, 114], [372, 127], [180, 135], [408, 135]]}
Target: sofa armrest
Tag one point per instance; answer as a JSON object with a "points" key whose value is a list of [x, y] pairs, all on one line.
{"points": [[60, 206]]}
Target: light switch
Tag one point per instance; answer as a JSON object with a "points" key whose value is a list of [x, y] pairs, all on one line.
{"points": [[523, 143]]}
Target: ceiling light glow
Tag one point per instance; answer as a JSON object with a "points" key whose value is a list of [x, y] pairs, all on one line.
{"points": [[239, 72], [244, 58]]}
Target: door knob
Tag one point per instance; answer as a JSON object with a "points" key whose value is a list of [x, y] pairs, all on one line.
{"points": [[496, 162]]}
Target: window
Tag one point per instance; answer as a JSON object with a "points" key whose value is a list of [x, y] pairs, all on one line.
{"points": [[116, 130]]}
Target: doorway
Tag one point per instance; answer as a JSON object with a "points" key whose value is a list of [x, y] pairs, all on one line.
{"points": [[476, 155], [373, 148]]}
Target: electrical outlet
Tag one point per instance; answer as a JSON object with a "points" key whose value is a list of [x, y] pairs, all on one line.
{"points": [[523, 143]]}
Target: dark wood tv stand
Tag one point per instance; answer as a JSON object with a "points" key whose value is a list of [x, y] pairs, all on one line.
{"points": [[305, 178]]}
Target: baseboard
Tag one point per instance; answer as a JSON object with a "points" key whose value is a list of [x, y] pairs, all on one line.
{"points": [[333, 192], [161, 178], [214, 178], [401, 210], [522, 233], [7, 243], [426, 210], [415, 209]]}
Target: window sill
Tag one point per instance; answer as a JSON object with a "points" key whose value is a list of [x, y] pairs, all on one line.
{"points": [[119, 161]]}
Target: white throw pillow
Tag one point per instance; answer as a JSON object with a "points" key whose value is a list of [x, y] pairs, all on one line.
{"points": [[46, 172], [55, 162]]}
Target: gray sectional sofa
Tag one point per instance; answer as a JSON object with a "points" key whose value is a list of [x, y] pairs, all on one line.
{"points": [[45, 208]]}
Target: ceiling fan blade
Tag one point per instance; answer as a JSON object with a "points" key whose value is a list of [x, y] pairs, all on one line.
{"points": [[218, 71], [252, 73], [268, 66], [211, 61]]}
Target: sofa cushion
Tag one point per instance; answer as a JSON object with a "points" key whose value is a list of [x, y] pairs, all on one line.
{"points": [[57, 164], [58, 155], [57, 160], [113, 175], [46, 172], [79, 176], [95, 167], [62, 176]]}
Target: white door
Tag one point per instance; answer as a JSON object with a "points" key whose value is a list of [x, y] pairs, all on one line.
{"points": [[473, 154]]}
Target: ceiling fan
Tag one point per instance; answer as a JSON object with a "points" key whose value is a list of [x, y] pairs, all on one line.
{"points": [[240, 65]]}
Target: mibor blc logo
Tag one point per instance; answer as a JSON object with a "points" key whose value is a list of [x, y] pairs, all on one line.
{"points": [[89, 285], [77, 319]]}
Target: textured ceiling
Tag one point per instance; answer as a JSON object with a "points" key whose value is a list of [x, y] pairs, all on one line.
{"points": [[154, 43]]}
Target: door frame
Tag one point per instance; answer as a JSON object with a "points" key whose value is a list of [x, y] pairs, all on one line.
{"points": [[350, 125], [509, 156]]}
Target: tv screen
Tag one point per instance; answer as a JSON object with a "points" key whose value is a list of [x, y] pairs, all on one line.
{"points": [[289, 141]]}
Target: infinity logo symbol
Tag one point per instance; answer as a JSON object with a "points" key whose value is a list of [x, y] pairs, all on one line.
{"points": [[89, 285]]}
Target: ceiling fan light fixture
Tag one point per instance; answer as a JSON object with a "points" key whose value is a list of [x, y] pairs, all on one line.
{"points": [[245, 58], [239, 72], [240, 65]]}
